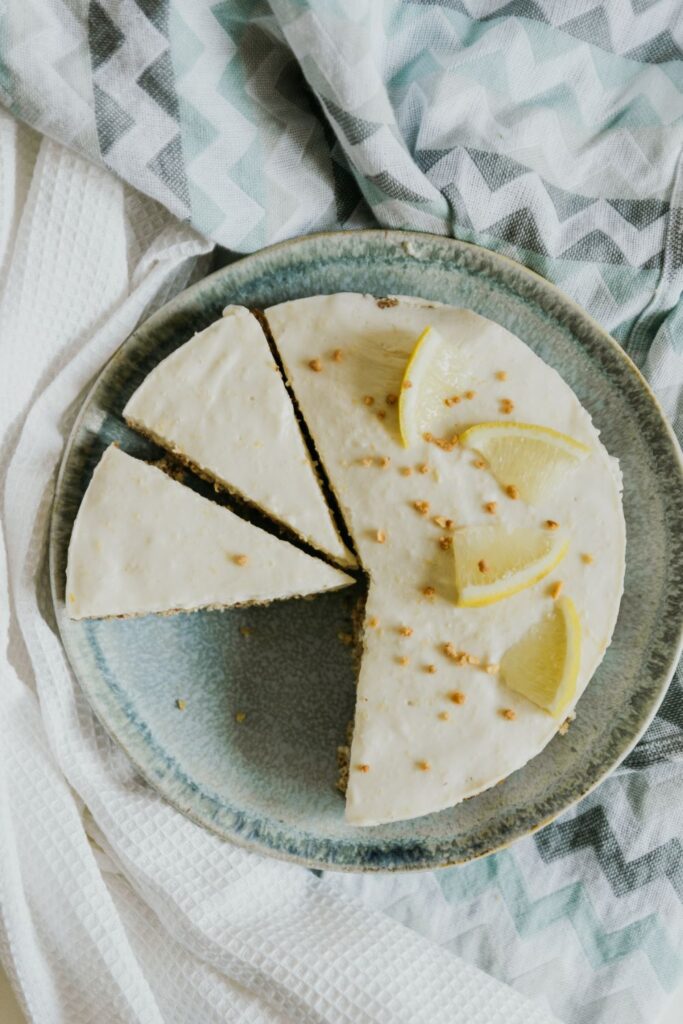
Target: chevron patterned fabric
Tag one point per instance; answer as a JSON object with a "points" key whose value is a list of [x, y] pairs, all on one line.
{"points": [[550, 132]]}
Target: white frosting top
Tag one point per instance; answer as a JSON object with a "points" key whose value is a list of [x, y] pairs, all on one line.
{"points": [[144, 543], [397, 724], [220, 401]]}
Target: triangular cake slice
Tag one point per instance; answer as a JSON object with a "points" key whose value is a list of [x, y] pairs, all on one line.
{"points": [[219, 403], [434, 720], [143, 543]]}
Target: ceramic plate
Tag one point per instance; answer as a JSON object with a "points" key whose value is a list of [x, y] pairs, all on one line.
{"points": [[269, 783]]}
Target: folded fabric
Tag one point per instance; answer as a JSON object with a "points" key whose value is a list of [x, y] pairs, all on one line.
{"points": [[549, 132]]}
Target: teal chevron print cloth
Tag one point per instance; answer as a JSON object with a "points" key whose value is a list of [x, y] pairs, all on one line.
{"points": [[548, 130]]}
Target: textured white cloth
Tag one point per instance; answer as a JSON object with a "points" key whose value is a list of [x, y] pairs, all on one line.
{"points": [[113, 907]]}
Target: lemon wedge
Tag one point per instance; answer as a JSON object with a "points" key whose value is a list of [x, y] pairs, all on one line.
{"points": [[534, 459], [435, 368], [544, 665], [492, 562]]}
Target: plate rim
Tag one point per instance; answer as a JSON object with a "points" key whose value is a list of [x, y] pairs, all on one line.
{"points": [[178, 302]]}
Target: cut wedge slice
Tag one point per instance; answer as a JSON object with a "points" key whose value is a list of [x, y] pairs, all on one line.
{"points": [[544, 665], [219, 403], [143, 543], [532, 458], [492, 562], [434, 370]]}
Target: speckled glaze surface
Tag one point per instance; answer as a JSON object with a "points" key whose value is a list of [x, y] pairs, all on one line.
{"points": [[268, 782]]}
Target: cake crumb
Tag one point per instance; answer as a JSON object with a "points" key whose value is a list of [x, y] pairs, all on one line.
{"points": [[429, 591], [479, 464], [380, 414], [386, 302], [506, 405], [403, 659], [315, 365], [391, 399], [551, 524], [406, 471], [373, 622], [405, 630], [450, 650], [444, 443], [555, 589], [508, 713], [492, 669], [240, 716], [424, 766], [423, 468], [384, 462], [181, 704], [564, 728], [337, 355], [512, 492], [491, 507], [472, 659], [445, 543], [430, 669], [367, 461], [241, 559], [587, 558], [470, 395], [443, 715], [501, 375], [380, 536], [457, 697], [422, 507], [363, 767], [406, 385], [368, 400], [443, 523], [483, 565]]}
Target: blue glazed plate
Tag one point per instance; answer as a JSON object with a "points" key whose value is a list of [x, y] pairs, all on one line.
{"points": [[269, 783]]}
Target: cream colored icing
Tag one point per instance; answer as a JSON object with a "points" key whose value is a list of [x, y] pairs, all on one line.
{"points": [[397, 724], [144, 543], [219, 401]]}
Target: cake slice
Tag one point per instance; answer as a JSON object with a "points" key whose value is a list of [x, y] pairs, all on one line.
{"points": [[435, 721], [142, 543], [219, 403]]}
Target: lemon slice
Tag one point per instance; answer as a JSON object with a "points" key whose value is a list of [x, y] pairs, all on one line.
{"points": [[534, 459], [434, 370], [492, 562], [544, 665]]}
